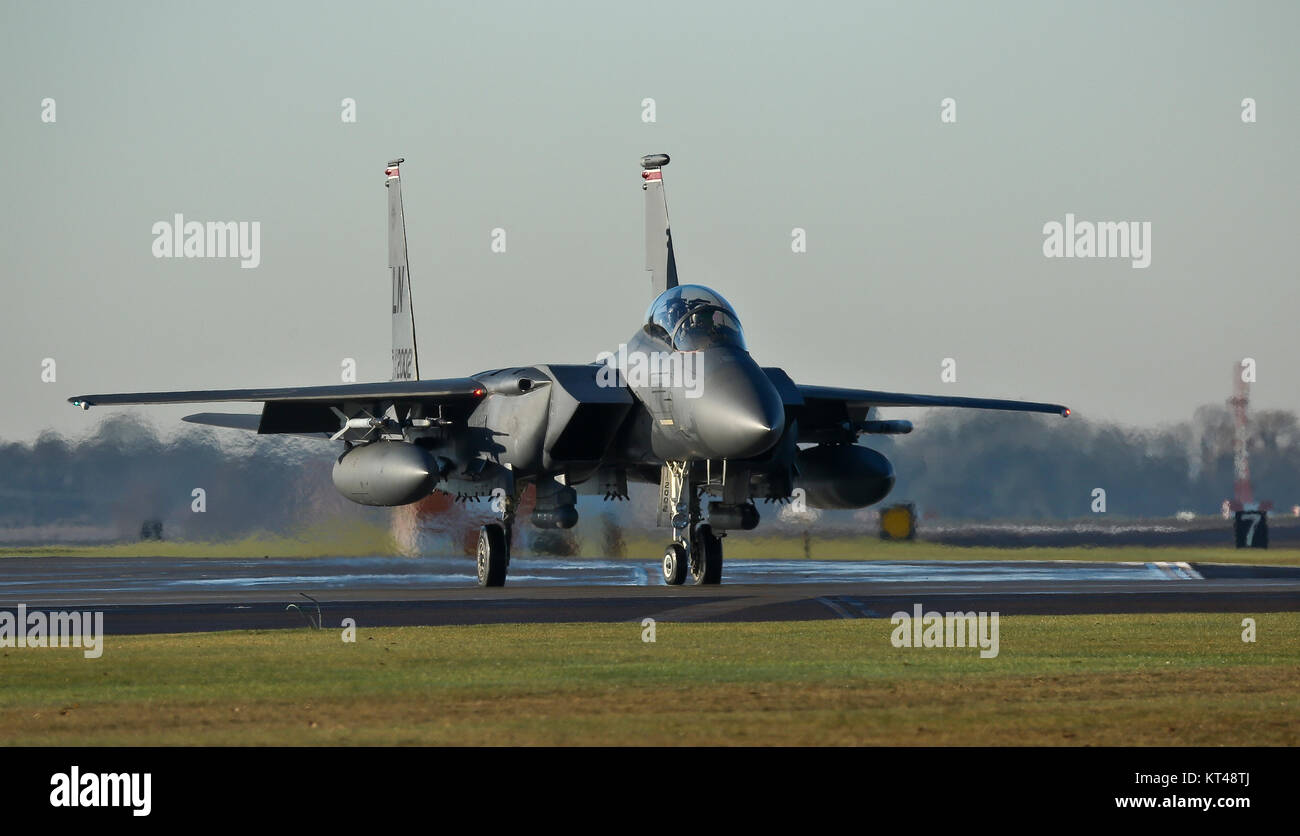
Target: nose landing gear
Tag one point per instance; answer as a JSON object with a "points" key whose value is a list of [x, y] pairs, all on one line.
{"points": [[696, 552], [675, 562]]}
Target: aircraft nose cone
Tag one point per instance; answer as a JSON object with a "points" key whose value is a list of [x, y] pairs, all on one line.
{"points": [[739, 413]]}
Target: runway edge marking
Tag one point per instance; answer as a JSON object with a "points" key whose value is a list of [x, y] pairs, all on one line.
{"points": [[1178, 570], [836, 608]]}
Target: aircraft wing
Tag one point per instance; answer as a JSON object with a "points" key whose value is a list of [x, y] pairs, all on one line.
{"points": [[863, 399], [247, 421], [305, 409], [835, 414], [392, 391]]}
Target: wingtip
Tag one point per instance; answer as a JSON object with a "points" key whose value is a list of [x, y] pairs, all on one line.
{"points": [[1065, 412]]}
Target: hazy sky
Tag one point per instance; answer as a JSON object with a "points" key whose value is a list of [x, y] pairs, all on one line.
{"points": [[924, 239]]}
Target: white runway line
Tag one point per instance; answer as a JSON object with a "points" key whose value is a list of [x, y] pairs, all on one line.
{"points": [[836, 608], [1177, 570]]}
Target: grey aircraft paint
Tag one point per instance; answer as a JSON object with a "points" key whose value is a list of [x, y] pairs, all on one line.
{"points": [[714, 440], [406, 363], [659, 257]]}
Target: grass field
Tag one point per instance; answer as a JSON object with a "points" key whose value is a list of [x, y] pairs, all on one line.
{"points": [[320, 541], [1078, 680], [373, 540], [743, 547]]}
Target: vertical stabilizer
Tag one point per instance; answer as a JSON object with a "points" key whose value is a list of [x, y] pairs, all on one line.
{"points": [[659, 258], [406, 365]]}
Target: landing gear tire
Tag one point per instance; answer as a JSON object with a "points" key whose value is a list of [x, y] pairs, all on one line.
{"points": [[706, 557], [493, 555], [674, 564]]}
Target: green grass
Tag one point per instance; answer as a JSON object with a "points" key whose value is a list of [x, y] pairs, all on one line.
{"points": [[320, 541], [351, 540], [1105, 680], [759, 547]]}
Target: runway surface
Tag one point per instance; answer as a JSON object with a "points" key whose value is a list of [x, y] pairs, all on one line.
{"points": [[154, 594]]}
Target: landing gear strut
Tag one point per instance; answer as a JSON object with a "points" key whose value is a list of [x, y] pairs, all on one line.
{"points": [[696, 552], [494, 547]]}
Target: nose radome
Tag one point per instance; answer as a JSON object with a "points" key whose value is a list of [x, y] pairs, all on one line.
{"points": [[739, 412]]}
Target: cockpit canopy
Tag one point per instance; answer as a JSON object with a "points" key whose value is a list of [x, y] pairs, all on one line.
{"points": [[691, 317]]}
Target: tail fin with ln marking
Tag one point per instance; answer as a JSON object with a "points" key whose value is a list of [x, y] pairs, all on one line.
{"points": [[406, 364], [659, 258]]}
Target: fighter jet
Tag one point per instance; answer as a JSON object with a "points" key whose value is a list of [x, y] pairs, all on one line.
{"points": [[682, 405]]}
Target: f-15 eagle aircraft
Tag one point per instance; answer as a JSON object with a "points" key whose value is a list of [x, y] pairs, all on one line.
{"points": [[682, 404]]}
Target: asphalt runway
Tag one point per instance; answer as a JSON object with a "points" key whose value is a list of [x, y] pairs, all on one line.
{"points": [[157, 595]]}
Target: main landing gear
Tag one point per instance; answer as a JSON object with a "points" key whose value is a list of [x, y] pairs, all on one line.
{"points": [[493, 555], [696, 552], [494, 547]]}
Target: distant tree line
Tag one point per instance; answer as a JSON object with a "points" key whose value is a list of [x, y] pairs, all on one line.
{"points": [[125, 475], [959, 465], [983, 466]]}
